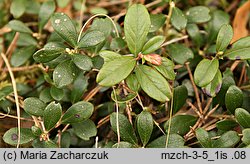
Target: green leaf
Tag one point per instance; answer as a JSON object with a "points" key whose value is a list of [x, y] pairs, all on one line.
{"points": [[79, 86], [5, 91], [226, 125], [194, 33], [36, 130], [157, 21], [65, 28], [174, 141], [123, 144], [237, 53], [17, 8], [214, 86], [115, 70], [119, 96], [203, 138], [224, 37], [153, 83], [85, 129], [34, 106], [64, 73], [132, 82], [98, 10], [153, 44], [46, 10], [233, 98], [103, 25], [22, 55], [227, 140], [205, 72], [126, 130], [178, 19], [243, 117], [82, 61], [166, 68], [135, 29], [242, 42], [198, 14], [78, 112], [19, 26], [117, 44], [181, 124], [56, 93], [45, 95], [91, 39], [11, 136], [62, 3], [145, 125], [179, 98], [47, 54], [180, 53], [246, 136], [52, 115], [65, 140]]}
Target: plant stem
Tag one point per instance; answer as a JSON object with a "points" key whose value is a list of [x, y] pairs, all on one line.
{"points": [[171, 6]]}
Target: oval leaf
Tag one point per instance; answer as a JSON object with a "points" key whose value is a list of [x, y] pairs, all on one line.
{"points": [[174, 141], [153, 83], [135, 29], [19, 26], [243, 117], [246, 136], [198, 14], [133, 83], [17, 8], [203, 138], [56, 93], [82, 61], [153, 44], [179, 98], [214, 86], [233, 98], [194, 33], [238, 53], [178, 19], [52, 115], [91, 39], [47, 54], [227, 140], [22, 55], [85, 129], [34, 106], [226, 125], [224, 37], [78, 112], [166, 68], [46, 10], [123, 145]]}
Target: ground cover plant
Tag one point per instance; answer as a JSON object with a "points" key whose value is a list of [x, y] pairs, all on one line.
{"points": [[124, 73]]}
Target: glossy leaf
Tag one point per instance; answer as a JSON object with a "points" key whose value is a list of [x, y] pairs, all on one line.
{"points": [[179, 98], [233, 98], [64, 73], [224, 37], [227, 140], [133, 83], [157, 21], [242, 42], [205, 72], [85, 130], [126, 130], [17, 8], [243, 117], [153, 83], [226, 125], [181, 124], [135, 29], [11, 136], [65, 28], [91, 39], [115, 70], [52, 115], [214, 86], [47, 54], [34, 106], [166, 68], [22, 55], [178, 19], [56, 93], [174, 141], [198, 14], [238, 53], [180, 53], [203, 138], [78, 112], [145, 126], [153, 44], [82, 61], [46, 10], [19, 26], [246, 136]]}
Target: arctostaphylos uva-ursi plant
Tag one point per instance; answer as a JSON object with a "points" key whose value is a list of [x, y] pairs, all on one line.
{"points": [[165, 74]]}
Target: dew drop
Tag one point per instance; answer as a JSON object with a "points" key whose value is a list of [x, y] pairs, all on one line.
{"points": [[73, 74], [59, 76], [61, 29], [62, 14], [65, 20], [57, 21], [56, 72]]}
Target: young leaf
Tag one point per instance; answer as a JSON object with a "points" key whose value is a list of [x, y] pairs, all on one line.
{"points": [[22, 55], [17, 8], [178, 19], [174, 141], [243, 117], [238, 53], [19, 26], [78, 112], [64, 73], [226, 125], [214, 86], [166, 68], [135, 29], [47, 54], [126, 130], [181, 124], [180, 53], [52, 115], [233, 98], [65, 28], [56, 93], [198, 14], [91, 39], [227, 140], [133, 83], [246, 136], [153, 83], [116, 70], [34, 106], [203, 138], [145, 126], [82, 61], [205, 72], [85, 129], [179, 98], [46, 10], [153, 44], [11, 136], [224, 37]]}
